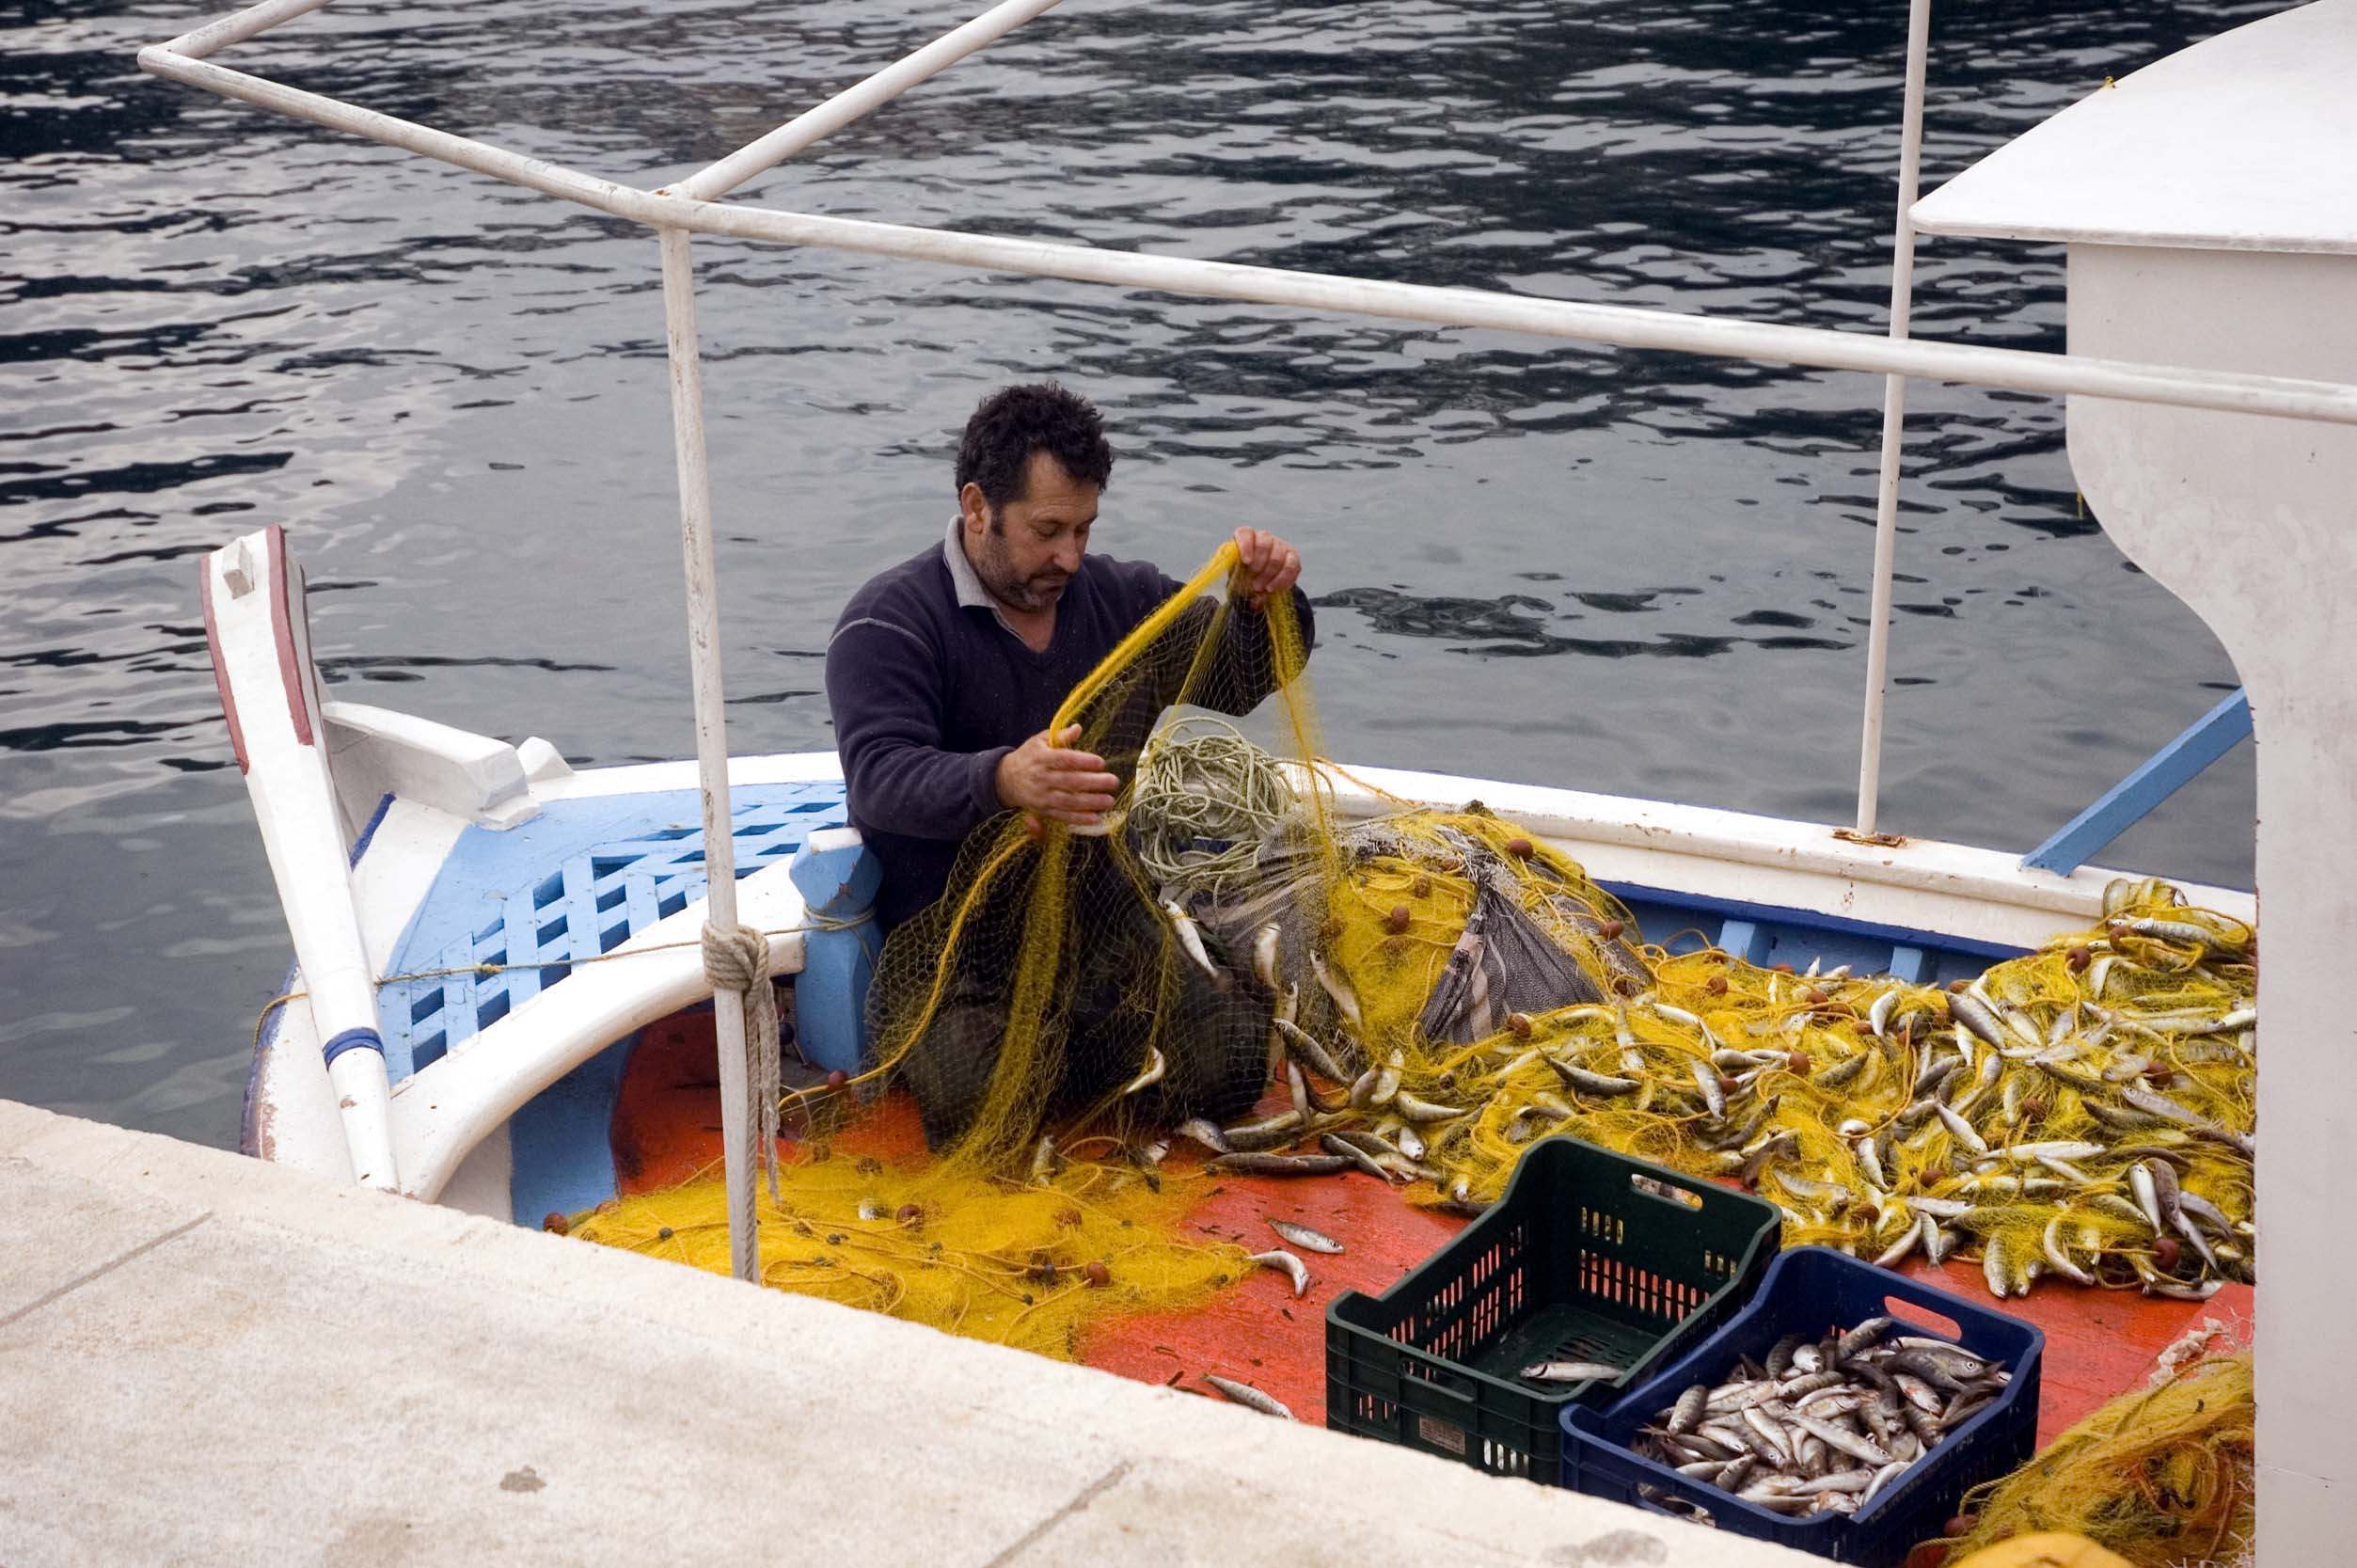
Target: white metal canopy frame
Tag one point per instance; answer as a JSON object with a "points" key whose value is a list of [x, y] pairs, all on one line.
{"points": [[2302, 1467]]}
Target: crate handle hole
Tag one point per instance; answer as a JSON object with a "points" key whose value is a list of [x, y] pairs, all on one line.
{"points": [[1654, 1187], [1671, 1505], [1922, 1317]]}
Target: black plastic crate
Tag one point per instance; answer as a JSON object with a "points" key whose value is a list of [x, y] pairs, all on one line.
{"points": [[1811, 1290], [1590, 1256]]}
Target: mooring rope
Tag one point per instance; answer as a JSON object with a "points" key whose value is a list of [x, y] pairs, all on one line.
{"points": [[816, 923], [738, 959]]}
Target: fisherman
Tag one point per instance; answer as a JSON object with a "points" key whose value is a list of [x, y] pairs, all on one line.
{"points": [[943, 671]]}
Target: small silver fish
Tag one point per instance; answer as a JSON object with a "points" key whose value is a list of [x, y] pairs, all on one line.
{"points": [[1839, 1073], [2060, 1257], [1302, 1236], [1247, 1396], [2147, 1200], [1707, 1079], [1264, 955], [1189, 938], [1570, 1371], [1310, 1053], [1256, 1163], [1286, 1264], [1247, 1136], [1204, 1132], [1960, 1129], [1149, 1076], [1883, 1478], [1358, 1154], [1865, 1334], [1581, 1080], [1344, 1002], [1848, 1442], [1977, 1016]]}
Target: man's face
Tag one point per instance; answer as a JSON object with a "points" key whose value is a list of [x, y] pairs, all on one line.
{"points": [[1028, 549]]}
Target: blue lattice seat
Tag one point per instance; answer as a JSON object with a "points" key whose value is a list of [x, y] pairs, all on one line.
{"points": [[577, 880]]}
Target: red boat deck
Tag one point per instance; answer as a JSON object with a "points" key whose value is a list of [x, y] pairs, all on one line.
{"points": [[2099, 1343]]}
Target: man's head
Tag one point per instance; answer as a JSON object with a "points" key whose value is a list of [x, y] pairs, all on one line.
{"points": [[1029, 472]]}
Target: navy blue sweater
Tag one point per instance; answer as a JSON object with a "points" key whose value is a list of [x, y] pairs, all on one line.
{"points": [[929, 688]]}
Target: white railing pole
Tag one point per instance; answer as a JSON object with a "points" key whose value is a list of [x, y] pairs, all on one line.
{"points": [[1618, 326], [1919, 28], [718, 179], [238, 26], [703, 658]]}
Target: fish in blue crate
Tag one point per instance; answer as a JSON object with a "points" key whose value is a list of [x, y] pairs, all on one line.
{"points": [[1822, 1426]]}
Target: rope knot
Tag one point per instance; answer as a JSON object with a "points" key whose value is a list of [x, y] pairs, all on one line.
{"points": [[736, 959]]}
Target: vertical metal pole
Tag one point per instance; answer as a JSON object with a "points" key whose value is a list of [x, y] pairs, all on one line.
{"points": [[1919, 28], [704, 654]]}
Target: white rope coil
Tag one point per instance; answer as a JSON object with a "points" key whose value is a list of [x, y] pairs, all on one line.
{"points": [[1204, 800]]}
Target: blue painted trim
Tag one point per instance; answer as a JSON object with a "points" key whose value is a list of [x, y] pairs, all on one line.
{"points": [[1737, 938], [830, 993], [353, 1040], [1764, 915], [266, 1040], [2154, 780], [560, 1142], [1907, 963], [360, 845]]}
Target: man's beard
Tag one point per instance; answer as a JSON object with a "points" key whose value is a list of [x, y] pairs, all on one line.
{"points": [[996, 569]]}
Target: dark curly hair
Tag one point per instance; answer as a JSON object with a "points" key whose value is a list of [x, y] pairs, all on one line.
{"points": [[1015, 421]]}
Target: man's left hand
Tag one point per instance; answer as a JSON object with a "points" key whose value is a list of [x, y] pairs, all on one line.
{"points": [[1265, 566]]}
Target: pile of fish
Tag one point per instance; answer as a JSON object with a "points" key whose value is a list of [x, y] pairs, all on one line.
{"points": [[1824, 1426], [2083, 1112]]}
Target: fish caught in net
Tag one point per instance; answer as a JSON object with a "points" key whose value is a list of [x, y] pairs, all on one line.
{"points": [[1428, 992], [2083, 1112]]}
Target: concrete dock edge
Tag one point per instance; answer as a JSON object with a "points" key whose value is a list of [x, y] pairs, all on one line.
{"points": [[207, 1359]]}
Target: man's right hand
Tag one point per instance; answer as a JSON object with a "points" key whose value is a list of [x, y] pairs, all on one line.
{"points": [[1045, 778]]}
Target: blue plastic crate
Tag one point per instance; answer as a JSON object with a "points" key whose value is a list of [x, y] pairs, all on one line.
{"points": [[1808, 1291]]}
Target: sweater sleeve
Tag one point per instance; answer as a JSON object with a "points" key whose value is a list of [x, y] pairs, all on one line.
{"points": [[885, 684]]}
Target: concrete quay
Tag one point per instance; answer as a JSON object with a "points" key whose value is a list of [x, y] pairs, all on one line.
{"points": [[206, 1360]]}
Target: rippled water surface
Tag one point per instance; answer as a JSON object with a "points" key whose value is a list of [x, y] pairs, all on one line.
{"points": [[1628, 572]]}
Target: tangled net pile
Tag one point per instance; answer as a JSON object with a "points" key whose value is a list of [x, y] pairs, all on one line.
{"points": [[1434, 990], [2162, 1476], [2084, 1111]]}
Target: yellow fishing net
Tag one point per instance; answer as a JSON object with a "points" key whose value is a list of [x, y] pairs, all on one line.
{"points": [[1107, 979], [1024, 1265], [1432, 991], [2162, 1477]]}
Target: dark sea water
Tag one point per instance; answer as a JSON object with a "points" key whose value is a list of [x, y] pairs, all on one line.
{"points": [[1626, 572]]}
